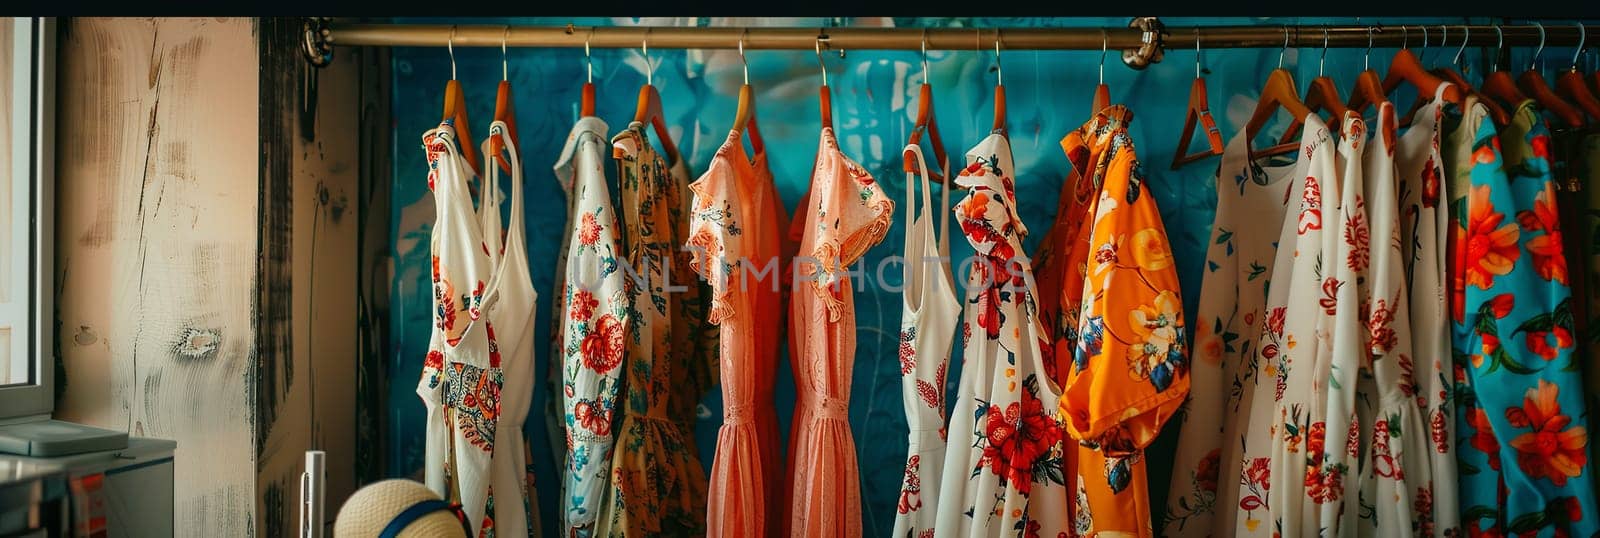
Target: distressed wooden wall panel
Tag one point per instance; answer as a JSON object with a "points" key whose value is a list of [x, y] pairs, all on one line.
{"points": [[156, 247], [375, 264], [313, 395]]}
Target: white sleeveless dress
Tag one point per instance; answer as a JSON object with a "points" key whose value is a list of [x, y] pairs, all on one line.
{"points": [[511, 314], [928, 319]]}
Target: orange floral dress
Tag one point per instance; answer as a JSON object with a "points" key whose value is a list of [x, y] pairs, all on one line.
{"points": [[849, 214], [734, 231], [1119, 319]]}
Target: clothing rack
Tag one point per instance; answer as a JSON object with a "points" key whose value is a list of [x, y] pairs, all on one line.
{"points": [[1142, 42]]}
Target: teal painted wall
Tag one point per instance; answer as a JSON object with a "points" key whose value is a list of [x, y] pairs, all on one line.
{"points": [[1048, 95]]}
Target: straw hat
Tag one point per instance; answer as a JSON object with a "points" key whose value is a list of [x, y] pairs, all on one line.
{"points": [[373, 508]]}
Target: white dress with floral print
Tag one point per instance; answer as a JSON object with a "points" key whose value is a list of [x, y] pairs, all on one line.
{"points": [[596, 320], [1233, 293], [1005, 448], [928, 317], [1332, 472], [1396, 466], [1424, 228], [1272, 424], [461, 376], [1311, 303]]}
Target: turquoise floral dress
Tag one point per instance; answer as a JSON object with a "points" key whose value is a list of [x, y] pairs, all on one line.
{"points": [[1523, 462]]}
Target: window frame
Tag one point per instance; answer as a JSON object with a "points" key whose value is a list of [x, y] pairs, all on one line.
{"points": [[33, 266]]}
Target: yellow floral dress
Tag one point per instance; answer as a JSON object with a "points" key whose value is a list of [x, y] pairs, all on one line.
{"points": [[658, 487]]}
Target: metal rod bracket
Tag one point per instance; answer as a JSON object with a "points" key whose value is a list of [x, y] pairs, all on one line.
{"points": [[1152, 45], [317, 43]]}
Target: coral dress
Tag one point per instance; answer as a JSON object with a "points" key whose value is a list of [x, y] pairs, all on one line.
{"points": [[848, 214], [733, 234], [928, 320]]}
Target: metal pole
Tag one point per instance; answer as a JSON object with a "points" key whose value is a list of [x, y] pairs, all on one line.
{"points": [[627, 37]]}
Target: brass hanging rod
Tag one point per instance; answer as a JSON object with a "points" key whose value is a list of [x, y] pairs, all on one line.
{"points": [[966, 39], [323, 34]]}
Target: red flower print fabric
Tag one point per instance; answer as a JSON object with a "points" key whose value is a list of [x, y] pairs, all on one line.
{"points": [[1525, 469]]}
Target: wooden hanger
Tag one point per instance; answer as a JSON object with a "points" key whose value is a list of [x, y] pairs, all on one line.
{"points": [[1532, 81], [926, 123], [1278, 92], [1571, 85], [1368, 90], [744, 119], [999, 90], [1405, 68], [1322, 94], [1449, 74], [1498, 84], [1199, 113], [1416, 104], [586, 105], [504, 110], [455, 109], [1102, 93], [1422, 100], [824, 96], [649, 108]]}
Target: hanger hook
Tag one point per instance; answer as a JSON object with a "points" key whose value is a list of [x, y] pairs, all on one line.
{"points": [[450, 45], [1105, 43], [588, 60], [1424, 39], [924, 55], [824, 65], [1000, 72], [644, 50], [1285, 46], [1499, 45], [1324, 59], [1465, 38], [505, 68], [1367, 58], [1583, 35], [1536, 52], [1405, 37], [1197, 52], [1444, 35], [742, 35]]}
